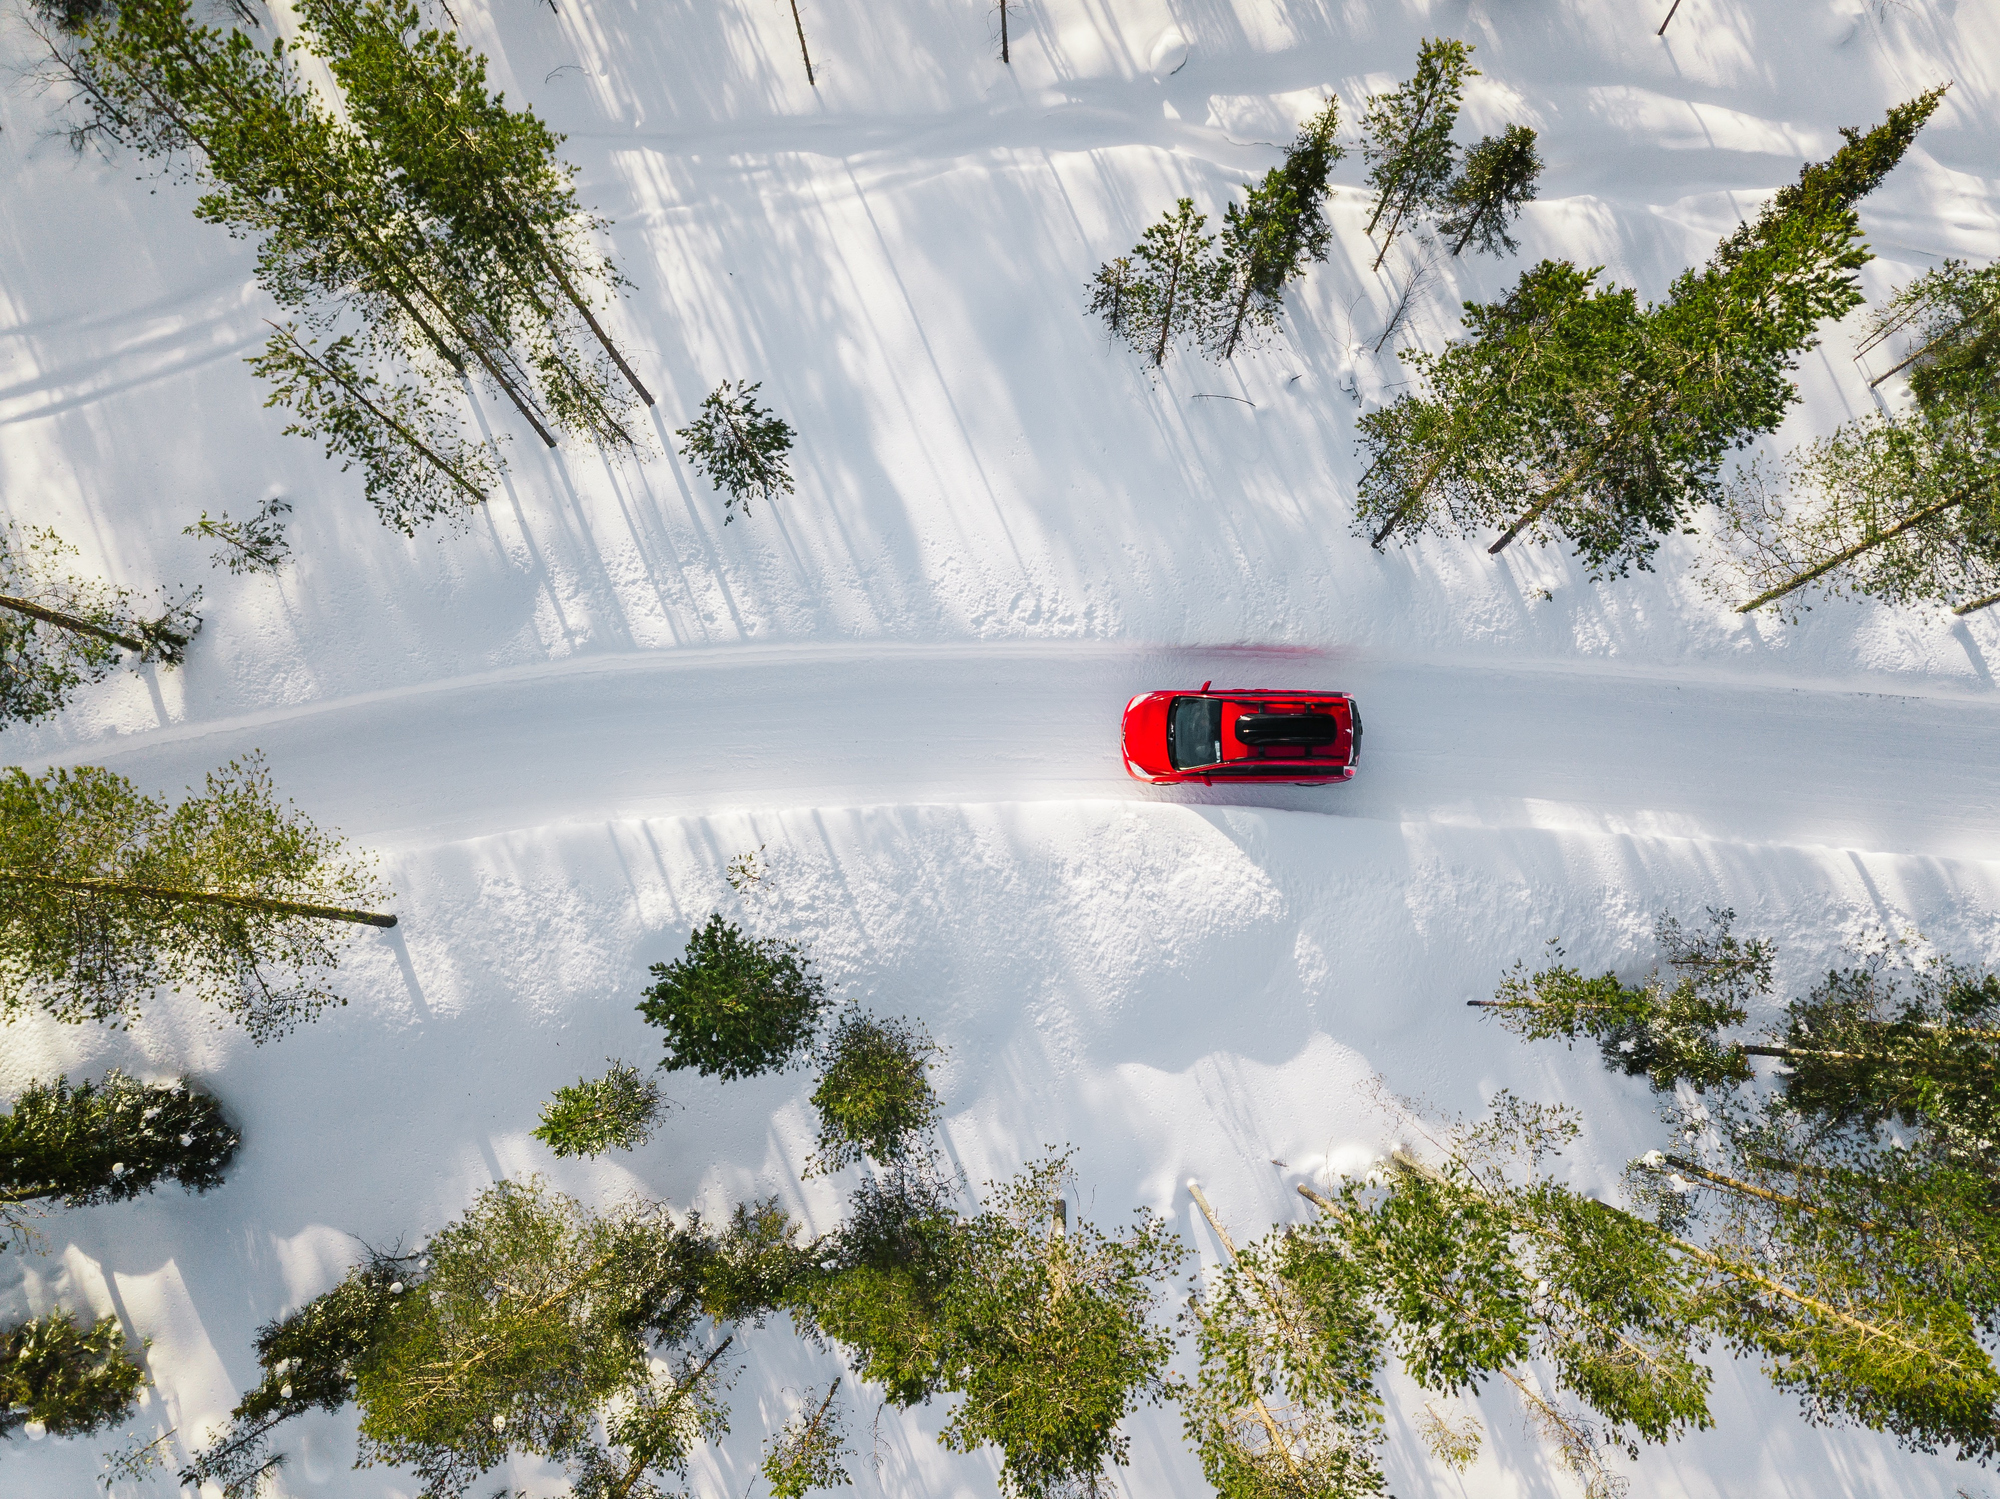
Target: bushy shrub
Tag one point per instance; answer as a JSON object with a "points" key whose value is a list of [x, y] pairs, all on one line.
{"points": [[734, 1006], [873, 1098]]}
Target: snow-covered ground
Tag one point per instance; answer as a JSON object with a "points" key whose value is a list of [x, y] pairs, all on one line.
{"points": [[903, 682]]}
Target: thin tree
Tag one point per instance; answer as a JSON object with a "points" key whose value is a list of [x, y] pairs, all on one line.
{"points": [[1277, 231], [1408, 137], [255, 545], [59, 631], [808, 1453], [1496, 179], [1172, 291], [593, 1115], [742, 448], [108, 1142], [800, 27], [107, 894]]}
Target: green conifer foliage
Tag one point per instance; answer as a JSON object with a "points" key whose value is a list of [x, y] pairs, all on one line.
{"points": [[596, 1114], [72, 1380], [1496, 179], [1174, 289], [734, 1006], [1904, 508], [1277, 231], [1408, 143], [1042, 1324], [107, 894], [1571, 413], [110, 1141], [1842, 1210], [739, 446], [874, 1098], [59, 631]]}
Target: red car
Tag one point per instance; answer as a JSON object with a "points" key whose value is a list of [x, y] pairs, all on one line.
{"points": [[1307, 738]]}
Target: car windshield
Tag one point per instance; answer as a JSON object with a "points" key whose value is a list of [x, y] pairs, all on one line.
{"points": [[1194, 732]]}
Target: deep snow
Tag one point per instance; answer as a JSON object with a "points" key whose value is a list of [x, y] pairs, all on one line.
{"points": [[903, 682]]}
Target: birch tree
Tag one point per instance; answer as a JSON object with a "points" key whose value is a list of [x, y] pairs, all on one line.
{"points": [[107, 894], [59, 631]]}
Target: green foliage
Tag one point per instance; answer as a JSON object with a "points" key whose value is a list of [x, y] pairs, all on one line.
{"points": [[874, 1099], [1173, 291], [593, 1115], [73, 1380], [1496, 179], [256, 545], [59, 631], [1840, 1212], [807, 1454], [1901, 507], [1408, 136], [1276, 232], [1569, 411], [110, 1141], [127, 924], [739, 447], [1046, 1333], [734, 1006]]}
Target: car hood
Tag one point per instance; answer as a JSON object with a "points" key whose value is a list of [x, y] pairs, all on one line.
{"points": [[1146, 733]]}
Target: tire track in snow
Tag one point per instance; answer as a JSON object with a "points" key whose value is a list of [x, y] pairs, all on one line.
{"points": [[1590, 748]]}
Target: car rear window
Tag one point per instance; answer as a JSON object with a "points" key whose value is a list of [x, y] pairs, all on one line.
{"points": [[1194, 732]]}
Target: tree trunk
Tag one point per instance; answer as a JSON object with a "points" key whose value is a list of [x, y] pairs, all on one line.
{"points": [[194, 896], [1799, 580], [801, 27], [1977, 604], [1003, 34], [1670, 15], [71, 622], [1270, 1422]]}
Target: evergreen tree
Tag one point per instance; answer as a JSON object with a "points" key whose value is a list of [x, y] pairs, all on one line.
{"points": [[106, 894], [874, 1097], [1579, 415], [596, 1114], [807, 1454], [1277, 231], [1173, 291], [70, 1380], [739, 447], [1904, 508], [109, 1141], [734, 1006], [1408, 143], [59, 631], [1496, 179], [1842, 1210]]}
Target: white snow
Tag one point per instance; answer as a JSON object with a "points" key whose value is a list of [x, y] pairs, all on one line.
{"points": [[903, 683]]}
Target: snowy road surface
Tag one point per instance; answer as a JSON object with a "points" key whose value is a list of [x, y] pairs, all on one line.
{"points": [[1565, 745]]}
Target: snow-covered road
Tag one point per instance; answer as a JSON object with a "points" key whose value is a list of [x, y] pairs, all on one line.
{"points": [[1558, 745]]}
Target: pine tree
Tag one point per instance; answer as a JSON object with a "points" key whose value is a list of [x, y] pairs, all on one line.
{"points": [[59, 631], [1841, 1210], [69, 1380], [874, 1097], [735, 1006], [1408, 143], [739, 447], [107, 894], [593, 1115], [1571, 412], [1171, 293], [1904, 508], [109, 1141], [1496, 179], [1276, 232]]}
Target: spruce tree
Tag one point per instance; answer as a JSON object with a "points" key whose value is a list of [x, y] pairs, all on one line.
{"points": [[874, 1097], [1408, 144], [593, 1115], [1572, 413], [739, 447], [1494, 182], [1173, 290], [69, 1380], [735, 1006], [1842, 1210], [109, 1141], [59, 631], [107, 894], [1904, 508], [1276, 232]]}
